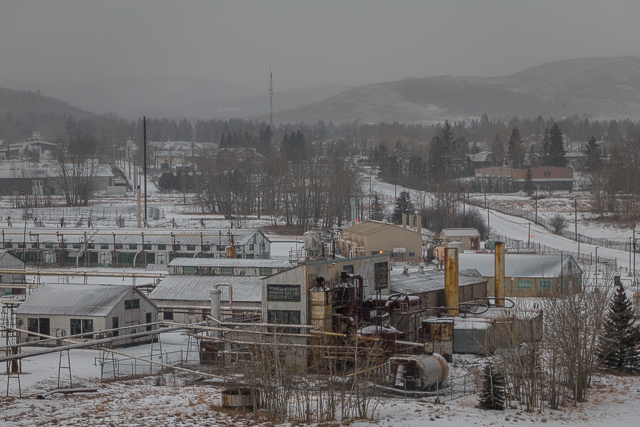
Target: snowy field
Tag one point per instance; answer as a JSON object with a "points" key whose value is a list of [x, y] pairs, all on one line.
{"points": [[146, 401]]}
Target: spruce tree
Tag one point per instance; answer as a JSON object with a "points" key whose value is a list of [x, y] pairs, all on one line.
{"points": [[553, 152], [528, 183], [403, 205], [594, 156], [492, 394], [618, 346]]}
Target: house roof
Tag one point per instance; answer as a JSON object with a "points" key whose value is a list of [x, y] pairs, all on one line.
{"points": [[196, 288], [430, 280], [460, 232], [522, 265], [74, 300], [370, 227]]}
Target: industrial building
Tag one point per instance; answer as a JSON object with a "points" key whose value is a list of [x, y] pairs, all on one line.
{"points": [[9, 262], [469, 237], [62, 310], [373, 237], [529, 275], [116, 247]]}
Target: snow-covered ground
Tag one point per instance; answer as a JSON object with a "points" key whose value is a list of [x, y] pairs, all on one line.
{"points": [[178, 402]]}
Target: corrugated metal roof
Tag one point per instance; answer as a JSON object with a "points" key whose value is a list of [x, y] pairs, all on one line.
{"points": [[230, 262], [151, 236], [196, 288], [371, 227], [461, 232], [74, 300], [430, 280], [522, 265]]}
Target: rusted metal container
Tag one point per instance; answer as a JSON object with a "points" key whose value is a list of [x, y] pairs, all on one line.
{"points": [[451, 283], [320, 309], [437, 334], [237, 398], [420, 372]]}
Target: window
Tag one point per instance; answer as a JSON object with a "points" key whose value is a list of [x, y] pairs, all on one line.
{"points": [[8, 245], [114, 325], [547, 174], [265, 271], [545, 284], [81, 326], [91, 245], [226, 271], [168, 314], [524, 284], [118, 245], [133, 246], [162, 247], [87, 326], [76, 327], [131, 304], [251, 248], [206, 248], [21, 245], [381, 275], [188, 270], [220, 248], [284, 317], [104, 246], [148, 320], [146, 247], [576, 281], [283, 292], [34, 245], [412, 254], [76, 246], [48, 245], [176, 247], [32, 326], [191, 247]]}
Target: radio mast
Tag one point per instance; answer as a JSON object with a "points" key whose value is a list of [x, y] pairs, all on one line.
{"points": [[271, 106]]}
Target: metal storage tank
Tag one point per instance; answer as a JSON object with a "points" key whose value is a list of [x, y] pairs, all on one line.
{"points": [[420, 372], [437, 334], [320, 309]]}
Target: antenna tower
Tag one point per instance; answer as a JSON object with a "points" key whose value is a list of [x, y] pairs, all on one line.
{"points": [[271, 105]]}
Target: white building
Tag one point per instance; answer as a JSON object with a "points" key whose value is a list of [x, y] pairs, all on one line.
{"points": [[63, 309]]}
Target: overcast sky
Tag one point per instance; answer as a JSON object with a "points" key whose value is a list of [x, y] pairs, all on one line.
{"points": [[307, 43]]}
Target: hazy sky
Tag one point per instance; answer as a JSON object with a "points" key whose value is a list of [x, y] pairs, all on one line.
{"points": [[306, 43]]}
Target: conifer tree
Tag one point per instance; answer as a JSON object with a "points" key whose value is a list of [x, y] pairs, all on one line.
{"points": [[492, 394], [403, 205], [619, 341], [528, 183]]}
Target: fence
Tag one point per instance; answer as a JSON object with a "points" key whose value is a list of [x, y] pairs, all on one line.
{"points": [[619, 244], [114, 368], [78, 214]]}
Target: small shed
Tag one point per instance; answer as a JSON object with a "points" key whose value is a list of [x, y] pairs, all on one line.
{"points": [[470, 237], [62, 310]]}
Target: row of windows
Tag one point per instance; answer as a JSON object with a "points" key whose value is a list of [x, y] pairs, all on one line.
{"points": [[227, 271], [131, 304], [130, 246], [285, 317], [283, 292], [547, 283]]}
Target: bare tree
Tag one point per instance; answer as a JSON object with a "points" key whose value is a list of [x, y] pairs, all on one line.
{"points": [[77, 165]]}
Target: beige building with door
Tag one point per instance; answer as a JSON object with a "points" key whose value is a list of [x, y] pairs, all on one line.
{"points": [[374, 237]]}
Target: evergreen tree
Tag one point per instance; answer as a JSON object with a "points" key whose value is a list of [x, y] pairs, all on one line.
{"points": [[594, 156], [516, 148], [492, 393], [377, 211], [403, 205], [553, 153], [620, 339], [528, 183]]}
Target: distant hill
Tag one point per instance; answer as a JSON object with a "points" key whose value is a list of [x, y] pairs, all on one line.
{"points": [[173, 97], [596, 87], [20, 102]]}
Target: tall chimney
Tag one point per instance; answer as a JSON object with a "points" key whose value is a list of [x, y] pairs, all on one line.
{"points": [[216, 296], [451, 283], [499, 274], [419, 224]]}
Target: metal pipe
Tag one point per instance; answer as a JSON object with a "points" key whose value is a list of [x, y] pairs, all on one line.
{"points": [[499, 273], [451, 281], [38, 273]]}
